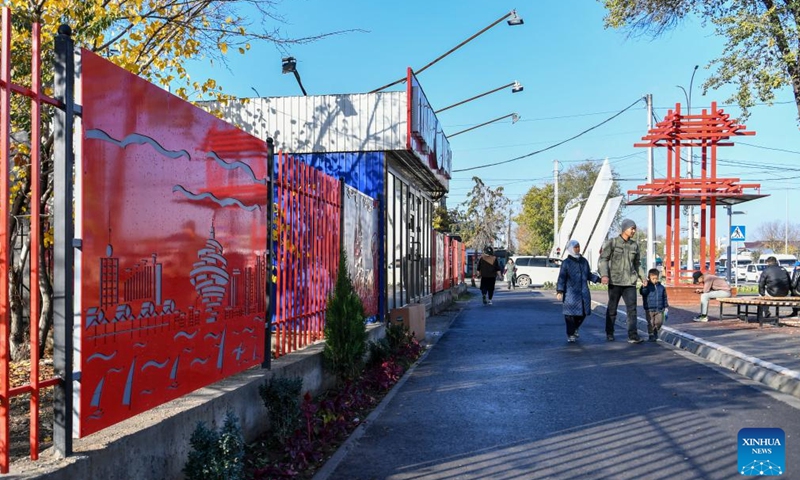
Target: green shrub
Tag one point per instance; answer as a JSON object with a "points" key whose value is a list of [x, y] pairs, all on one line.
{"points": [[216, 455], [345, 330], [281, 396], [549, 286], [379, 352], [746, 289], [397, 335]]}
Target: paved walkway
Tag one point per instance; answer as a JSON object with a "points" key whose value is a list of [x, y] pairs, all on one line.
{"points": [[465, 411]]}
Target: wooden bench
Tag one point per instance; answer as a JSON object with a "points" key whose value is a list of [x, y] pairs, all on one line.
{"points": [[734, 291], [744, 304]]}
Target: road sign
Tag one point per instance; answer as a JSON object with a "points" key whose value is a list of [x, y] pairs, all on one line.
{"points": [[737, 233]]}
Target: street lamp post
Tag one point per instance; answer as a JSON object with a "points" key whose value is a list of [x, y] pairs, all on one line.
{"points": [[515, 88], [731, 213], [690, 172], [513, 19], [290, 66], [514, 118]]}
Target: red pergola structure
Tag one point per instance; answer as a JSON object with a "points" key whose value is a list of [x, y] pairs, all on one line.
{"points": [[707, 131]]}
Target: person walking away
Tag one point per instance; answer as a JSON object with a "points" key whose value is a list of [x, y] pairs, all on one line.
{"points": [[655, 303], [511, 274], [796, 285], [620, 268], [774, 282], [573, 289], [488, 266], [713, 287]]}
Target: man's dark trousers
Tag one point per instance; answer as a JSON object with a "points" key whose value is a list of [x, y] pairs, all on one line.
{"points": [[628, 295]]}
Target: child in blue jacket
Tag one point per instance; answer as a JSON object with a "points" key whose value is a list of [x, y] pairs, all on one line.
{"points": [[654, 300]]}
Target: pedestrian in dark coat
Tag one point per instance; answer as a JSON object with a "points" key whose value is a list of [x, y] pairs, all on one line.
{"points": [[655, 303], [488, 266], [573, 289], [796, 285]]}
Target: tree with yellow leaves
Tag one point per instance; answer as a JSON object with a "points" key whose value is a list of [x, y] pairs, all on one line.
{"points": [[154, 39]]}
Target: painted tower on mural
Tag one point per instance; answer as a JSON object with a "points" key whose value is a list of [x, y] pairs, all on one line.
{"points": [[210, 276]]}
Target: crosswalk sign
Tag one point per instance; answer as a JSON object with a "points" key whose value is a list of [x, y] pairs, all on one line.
{"points": [[737, 233]]}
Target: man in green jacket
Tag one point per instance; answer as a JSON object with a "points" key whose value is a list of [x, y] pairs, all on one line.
{"points": [[620, 268]]}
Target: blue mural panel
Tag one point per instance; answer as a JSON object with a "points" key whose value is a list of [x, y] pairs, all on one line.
{"points": [[364, 171]]}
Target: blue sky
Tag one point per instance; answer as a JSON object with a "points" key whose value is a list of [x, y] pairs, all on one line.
{"points": [[575, 73]]}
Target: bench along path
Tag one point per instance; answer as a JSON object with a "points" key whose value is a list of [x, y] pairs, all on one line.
{"points": [[744, 304]]}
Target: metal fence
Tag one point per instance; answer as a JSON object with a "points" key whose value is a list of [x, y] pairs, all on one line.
{"points": [[308, 239], [35, 384], [448, 262], [302, 263]]}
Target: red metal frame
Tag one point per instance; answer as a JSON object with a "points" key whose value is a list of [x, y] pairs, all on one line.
{"points": [[706, 130], [308, 204], [37, 100], [452, 260]]}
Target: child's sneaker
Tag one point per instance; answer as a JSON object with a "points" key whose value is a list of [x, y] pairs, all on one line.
{"points": [[700, 318], [571, 339]]}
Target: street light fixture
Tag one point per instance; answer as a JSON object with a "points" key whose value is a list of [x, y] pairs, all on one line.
{"points": [[513, 19], [514, 118], [515, 88], [290, 66]]}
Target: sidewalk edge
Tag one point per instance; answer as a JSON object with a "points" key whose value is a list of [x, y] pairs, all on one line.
{"points": [[774, 376], [349, 444]]}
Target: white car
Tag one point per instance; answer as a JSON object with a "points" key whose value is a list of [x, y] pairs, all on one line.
{"points": [[535, 271], [753, 272]]}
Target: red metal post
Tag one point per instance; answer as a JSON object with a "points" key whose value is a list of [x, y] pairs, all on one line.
{"points": [[294, 225], [36, 108], [310, 230], [280, 311], [5, 152]]}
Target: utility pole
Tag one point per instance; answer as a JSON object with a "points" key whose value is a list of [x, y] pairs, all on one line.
{"points": [[555, 209], [509, 246], [651, 209]]}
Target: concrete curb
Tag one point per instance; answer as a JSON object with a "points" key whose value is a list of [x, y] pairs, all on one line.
{"points": [[774, 376], [349, 444]]}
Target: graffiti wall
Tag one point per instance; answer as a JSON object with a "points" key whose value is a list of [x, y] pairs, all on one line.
{"points": [[438, 262], [361, 241], [172, 217]]}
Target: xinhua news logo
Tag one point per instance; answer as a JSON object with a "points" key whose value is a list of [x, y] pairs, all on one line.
{"points": [[762, 451]]}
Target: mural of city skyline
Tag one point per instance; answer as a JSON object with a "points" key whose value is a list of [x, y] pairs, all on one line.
{"points": [[172, 267]]}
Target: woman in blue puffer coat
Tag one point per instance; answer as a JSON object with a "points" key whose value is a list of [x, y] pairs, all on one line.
{"points": [[573, 289]]}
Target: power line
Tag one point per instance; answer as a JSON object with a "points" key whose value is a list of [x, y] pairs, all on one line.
{"points": [[556, 144], [768, 148]]}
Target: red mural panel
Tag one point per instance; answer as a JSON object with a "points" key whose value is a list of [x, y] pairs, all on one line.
{"points": [[172, 218]]}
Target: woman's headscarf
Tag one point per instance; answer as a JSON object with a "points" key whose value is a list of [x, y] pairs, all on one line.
{"points": [[571, 249]]}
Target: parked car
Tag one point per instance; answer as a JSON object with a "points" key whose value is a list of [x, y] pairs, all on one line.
{"points": [[535, 271], [753, 272], [784, 260]]}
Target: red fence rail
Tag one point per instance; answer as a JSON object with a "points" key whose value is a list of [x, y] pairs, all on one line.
{"points": [[35, 384], [308, 205], [447, 262]]}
